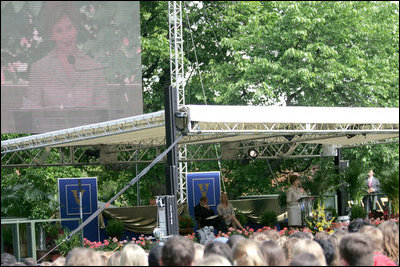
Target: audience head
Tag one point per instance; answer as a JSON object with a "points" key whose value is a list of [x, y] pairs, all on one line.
{"points": [[114, 259], [30, 261], [305, 259], [273, 253], [329, 250], [356, 225], [309, 246], [219, 248], [272, 235], [288, 247], [198, 252], [104, 258], [356, 250], [155, 256], [375, 236], [246, 252], [133, 255], [301, 235], [390, 231], [282, 240], [321, 235], [60, 261], [177, 251], [18, 263], [212, 259], [7, 259], [335, 241], [83, 257], [233, 239], [260, 237]]}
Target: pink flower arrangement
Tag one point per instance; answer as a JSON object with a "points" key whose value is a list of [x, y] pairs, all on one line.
{"points": [[147, 242]]}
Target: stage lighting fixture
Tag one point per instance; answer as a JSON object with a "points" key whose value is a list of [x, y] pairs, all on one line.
{"points": [[289, 137], [252, 153]]}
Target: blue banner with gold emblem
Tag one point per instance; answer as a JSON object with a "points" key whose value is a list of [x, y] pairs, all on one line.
{"points": [[68, 190], [200, 184]]}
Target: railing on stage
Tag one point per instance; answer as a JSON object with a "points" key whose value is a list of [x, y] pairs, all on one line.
{"points": [[378, 199], [31, 234]]}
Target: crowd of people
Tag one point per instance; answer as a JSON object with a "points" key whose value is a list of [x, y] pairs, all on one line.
{"points": [[360, 244]]}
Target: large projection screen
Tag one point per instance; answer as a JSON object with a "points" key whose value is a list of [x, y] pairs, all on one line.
{"points": [[69, 63]]}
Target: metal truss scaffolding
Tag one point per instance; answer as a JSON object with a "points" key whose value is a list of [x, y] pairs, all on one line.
{"points": [[178, 83], [139, 139]]}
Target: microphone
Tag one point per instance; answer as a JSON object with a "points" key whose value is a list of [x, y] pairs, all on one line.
{"points": [[71, 60], [122, 86]]}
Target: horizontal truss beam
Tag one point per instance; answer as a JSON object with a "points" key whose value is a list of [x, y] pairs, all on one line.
{"points": [[119, 155]]}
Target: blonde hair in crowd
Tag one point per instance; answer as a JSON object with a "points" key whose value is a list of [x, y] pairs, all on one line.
{"points": [[133, 255], [390, 231], [83, 257], [247, 252], [375, 235], [309, 246], [198, 252]]}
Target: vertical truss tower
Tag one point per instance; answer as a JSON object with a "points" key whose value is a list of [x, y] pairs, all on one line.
{"points": [[178, 82]]}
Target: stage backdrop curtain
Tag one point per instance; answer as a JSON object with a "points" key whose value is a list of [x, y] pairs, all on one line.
{"points": [[143, 219]]}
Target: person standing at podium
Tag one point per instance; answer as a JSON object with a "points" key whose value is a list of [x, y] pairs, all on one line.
{"points": [[293, 194], [372, 188]]}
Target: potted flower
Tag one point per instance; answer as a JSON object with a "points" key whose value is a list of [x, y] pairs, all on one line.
{"points": [[115, 228], [269, 218]]}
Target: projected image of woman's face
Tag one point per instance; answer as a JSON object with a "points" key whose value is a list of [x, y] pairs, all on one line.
{"points": [[64, 34]]}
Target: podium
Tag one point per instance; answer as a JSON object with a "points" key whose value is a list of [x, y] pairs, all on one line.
{"points": [[46, 120], [306, 206], [124, 101]]}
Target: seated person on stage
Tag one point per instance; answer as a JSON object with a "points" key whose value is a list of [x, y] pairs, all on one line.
{"points": [[202, 211], [226, 211]]}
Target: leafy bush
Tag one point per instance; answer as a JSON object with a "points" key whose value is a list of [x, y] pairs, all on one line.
{"points": [[355, 176], [241, 218], [389, 180], [186, 221], [269, 218], [282, 199], [115, 228], [7, 236], [67, 246], [357, 212]]}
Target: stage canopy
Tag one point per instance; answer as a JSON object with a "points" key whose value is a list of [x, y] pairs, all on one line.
{"points": [[205, 124]]}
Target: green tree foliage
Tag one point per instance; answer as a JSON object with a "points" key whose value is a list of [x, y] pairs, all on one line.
{"points": [[389, 180], [32, 192], [308, 53], [324, 180]]}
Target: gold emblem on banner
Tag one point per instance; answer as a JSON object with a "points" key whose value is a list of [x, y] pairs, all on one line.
{"points": [[204, 189], [76, 195]]}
